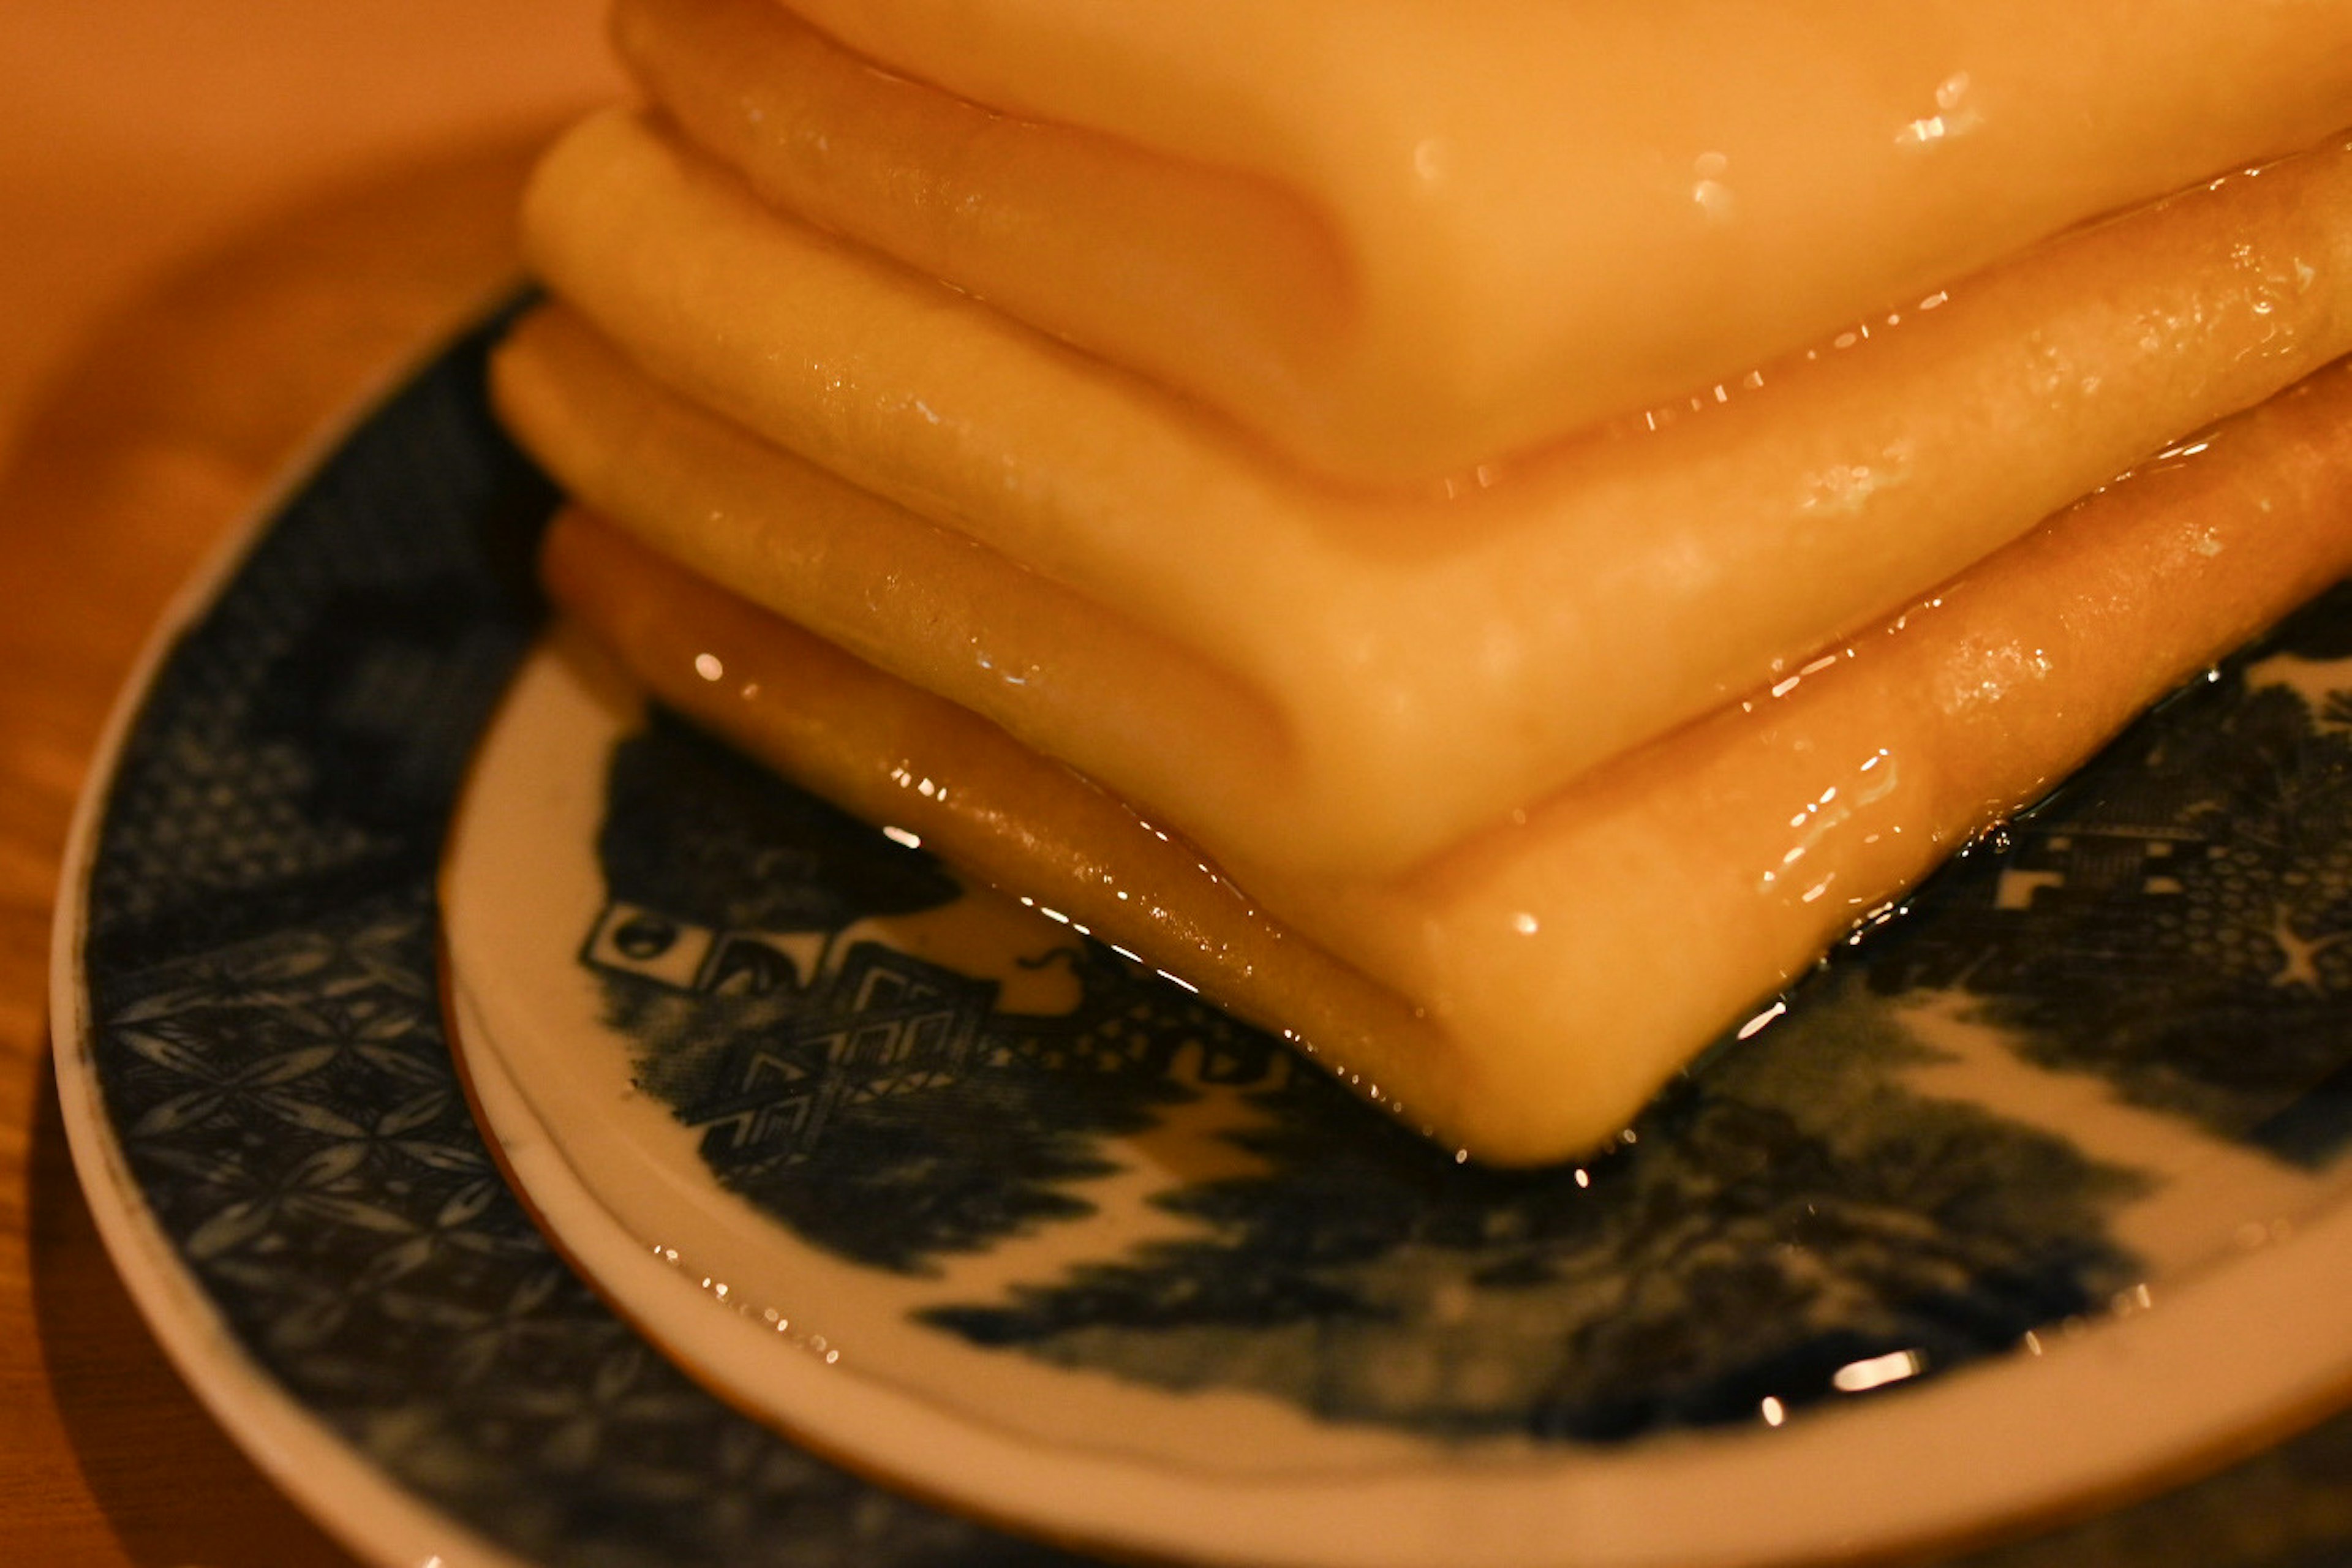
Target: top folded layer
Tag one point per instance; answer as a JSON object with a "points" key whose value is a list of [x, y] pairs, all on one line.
{"points": [[1399, 237]]}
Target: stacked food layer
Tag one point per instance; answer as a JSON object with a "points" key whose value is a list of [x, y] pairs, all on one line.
{"points": [[1515, 525]]}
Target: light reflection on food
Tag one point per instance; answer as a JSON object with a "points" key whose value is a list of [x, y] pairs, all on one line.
{"points": [[1463, 696], [967, 500]]}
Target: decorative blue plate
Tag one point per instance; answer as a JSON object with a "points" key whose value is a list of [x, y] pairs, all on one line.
{"points": [[2039, 1197]]}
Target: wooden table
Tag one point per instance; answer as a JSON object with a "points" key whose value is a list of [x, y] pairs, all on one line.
{"points": [[156, 441]]}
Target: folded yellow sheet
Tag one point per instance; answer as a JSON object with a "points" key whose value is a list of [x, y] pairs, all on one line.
{"points": [[1523, 992], [1425, 520], [1312, 679], [1398, 237]]}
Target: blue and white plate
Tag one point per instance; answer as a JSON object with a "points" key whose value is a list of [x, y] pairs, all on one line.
{"points": [[2039, 1198]]}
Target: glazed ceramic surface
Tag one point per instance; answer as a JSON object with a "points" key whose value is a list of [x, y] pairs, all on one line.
{"points": [[256, 1074], [931, 1180], [2035, 1196]]}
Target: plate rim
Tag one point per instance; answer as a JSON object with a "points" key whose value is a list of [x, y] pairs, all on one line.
{"points": [[302, 1457]]}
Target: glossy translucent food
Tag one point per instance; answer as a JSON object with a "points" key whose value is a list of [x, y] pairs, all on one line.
{"points": [[1523, 992], [1398, 237], [1378, 444], [1396, 670]]}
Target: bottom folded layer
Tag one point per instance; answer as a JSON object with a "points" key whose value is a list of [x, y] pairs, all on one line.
{"points": [[1523, 991]]}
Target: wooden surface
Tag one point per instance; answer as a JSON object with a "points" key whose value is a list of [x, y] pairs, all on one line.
{"points": [[222, 218], [134, 133], [178, 411]]}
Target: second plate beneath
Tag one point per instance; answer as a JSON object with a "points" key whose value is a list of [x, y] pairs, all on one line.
{"points": [[955, 1194]]}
